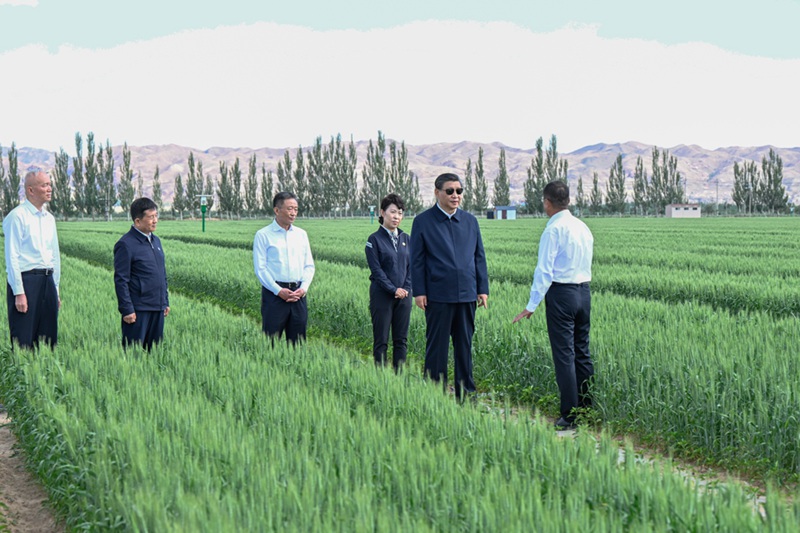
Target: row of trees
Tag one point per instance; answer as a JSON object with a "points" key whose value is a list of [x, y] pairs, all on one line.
{"points": [[325, 180], [651, 195], [760, 191]]}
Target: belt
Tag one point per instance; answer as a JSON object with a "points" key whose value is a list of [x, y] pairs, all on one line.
{"points": [[291, 285], [584, 284], [40, 272]]}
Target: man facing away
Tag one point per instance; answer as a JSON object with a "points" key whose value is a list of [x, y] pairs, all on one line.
{"points": [[561, 278], [140, 278], [33, 266], [284, 266], [449, 275]]}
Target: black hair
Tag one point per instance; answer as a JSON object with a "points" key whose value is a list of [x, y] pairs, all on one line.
{"points": [[444, 178], [281, 197], [391, 199], [558, 194], [140, 205]]}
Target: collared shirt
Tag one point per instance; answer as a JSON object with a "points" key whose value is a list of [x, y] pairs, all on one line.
{"points": [[565, 255], [281, 255], [30, 242], [449, 215]]}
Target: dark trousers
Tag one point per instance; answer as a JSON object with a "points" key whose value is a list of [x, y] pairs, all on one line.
{"points": [[147, 330], [388, 311], [281, 317], [569, 309], [447, 321], [41, 320]]}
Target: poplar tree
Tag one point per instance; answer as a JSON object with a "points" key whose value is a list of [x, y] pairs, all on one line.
{"points": [[61, 202], [78, 181], [106, 191], [285, 175], [615, 188], [237, 201], [535, 182], [266, 189], [300, 185], [773, 198], [194, 185], [178, 201], [11, 181], [251, 188], [317, 201], [555, 168], [400, 180], [746, 182], [501, 195], [481, 188], [641, 188], [596, 197], [468, 200], [374, 179], [580, 197], [225, 190], [90, 185], [125, 188], [157, 195]]}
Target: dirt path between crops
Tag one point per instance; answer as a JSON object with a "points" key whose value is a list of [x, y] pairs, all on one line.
{"points": [[22, 500]]}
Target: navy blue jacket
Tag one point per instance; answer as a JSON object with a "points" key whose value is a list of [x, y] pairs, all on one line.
{"points": [[140, 275], [389, 269], [448, 264]]}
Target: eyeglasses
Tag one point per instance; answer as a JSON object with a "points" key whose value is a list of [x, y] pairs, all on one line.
{"points": [[451, 190]]}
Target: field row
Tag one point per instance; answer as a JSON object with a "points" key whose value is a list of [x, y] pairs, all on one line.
{"points": [[699, 381], [218, 431]]}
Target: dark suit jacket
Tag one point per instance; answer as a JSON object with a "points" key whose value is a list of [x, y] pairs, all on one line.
{"points": [[448, 264], [140, 275], [389, 269]]}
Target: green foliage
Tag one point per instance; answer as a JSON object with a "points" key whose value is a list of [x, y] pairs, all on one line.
{"points": [[501, 196], [615, 191], [323, 441], [157, 195], [481, 196], [61, 202]]}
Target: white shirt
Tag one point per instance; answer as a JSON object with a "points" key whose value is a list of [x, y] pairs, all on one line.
{"points": [[30, 242], [281, 255], [565, 255]]}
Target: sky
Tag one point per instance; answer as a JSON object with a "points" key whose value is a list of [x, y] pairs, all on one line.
{"points": [[278, 74]]}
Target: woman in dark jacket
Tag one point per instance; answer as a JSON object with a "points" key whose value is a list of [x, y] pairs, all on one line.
{"points": [[390, 292]]}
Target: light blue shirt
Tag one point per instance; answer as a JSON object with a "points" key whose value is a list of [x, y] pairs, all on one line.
{"points": [[281, 255], [30, 242], [565, 255]]}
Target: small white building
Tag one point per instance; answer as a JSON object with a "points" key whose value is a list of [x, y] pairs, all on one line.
{"points": [[505, 212], [683, 211]]}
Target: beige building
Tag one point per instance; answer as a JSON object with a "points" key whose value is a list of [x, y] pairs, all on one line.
{"points": [[683, 211]]}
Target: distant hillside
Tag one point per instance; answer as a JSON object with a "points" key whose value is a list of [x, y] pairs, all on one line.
{"points": [[708, 173]]}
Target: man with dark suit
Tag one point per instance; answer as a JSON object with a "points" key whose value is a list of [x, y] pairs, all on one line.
{"points": [[561, 279], [448, 272], [140, 278], [33, 266]]}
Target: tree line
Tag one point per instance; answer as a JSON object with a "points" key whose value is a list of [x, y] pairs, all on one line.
{"points": [[325, 179]]}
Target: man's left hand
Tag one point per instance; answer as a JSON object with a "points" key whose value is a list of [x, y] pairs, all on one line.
{"points": [[166, 311], [483, 300]]}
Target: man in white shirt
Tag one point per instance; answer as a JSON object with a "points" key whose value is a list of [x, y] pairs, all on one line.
{"points": [[561, 279], [284, 266], [33, 266]]}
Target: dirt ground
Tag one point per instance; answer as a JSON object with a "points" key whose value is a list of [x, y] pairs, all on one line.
{"points": [[22, 501]]}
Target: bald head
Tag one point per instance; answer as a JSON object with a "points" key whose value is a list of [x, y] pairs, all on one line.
{"points": [[38, 190]]}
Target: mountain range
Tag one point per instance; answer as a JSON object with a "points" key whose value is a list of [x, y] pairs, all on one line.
{"points": [[708, 174]]}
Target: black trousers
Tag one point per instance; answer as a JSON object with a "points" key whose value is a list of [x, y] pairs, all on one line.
{"points": [[147, 330], [388, 311], [281, 317], [447, 321], [568, 313], [41, 320]]}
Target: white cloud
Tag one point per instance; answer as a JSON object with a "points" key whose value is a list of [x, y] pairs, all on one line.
{"points": [[273, 85], [31, 3]]}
